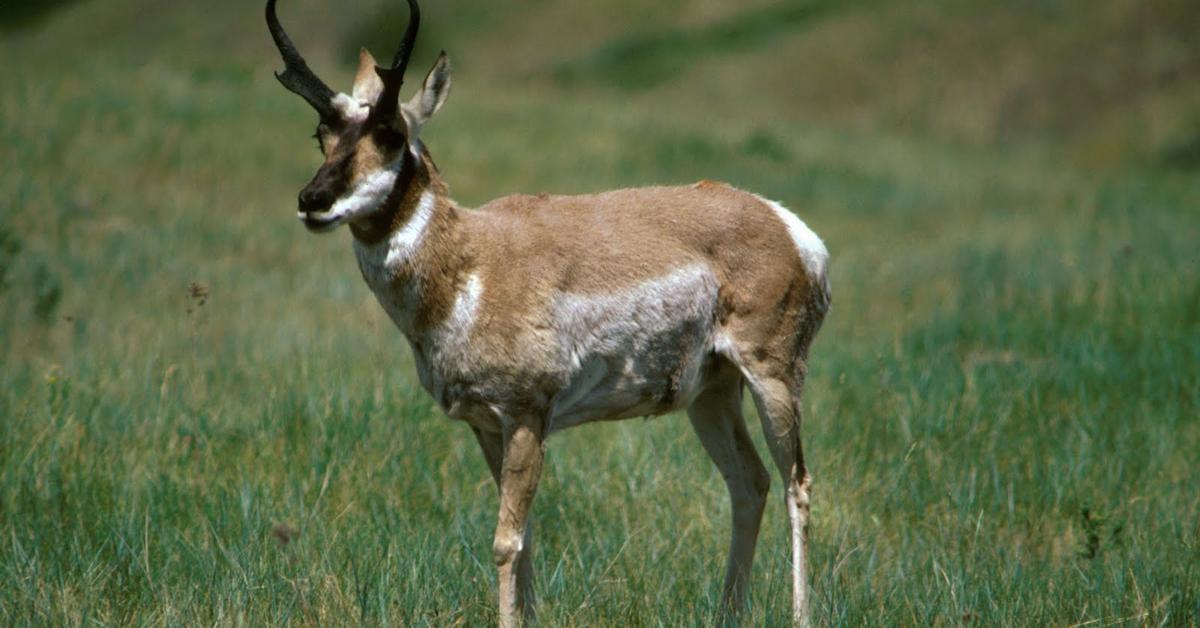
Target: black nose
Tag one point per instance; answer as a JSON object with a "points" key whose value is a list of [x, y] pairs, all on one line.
{"points": [[314, 200]]}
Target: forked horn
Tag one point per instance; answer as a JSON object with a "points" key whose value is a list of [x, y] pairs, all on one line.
{"points": [[296, 76], [393, 77]]}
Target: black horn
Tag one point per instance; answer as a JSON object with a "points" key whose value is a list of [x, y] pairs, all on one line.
{"points": [[393, 77], [296, 76]]}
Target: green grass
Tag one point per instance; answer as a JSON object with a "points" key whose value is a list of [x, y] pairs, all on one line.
{"points": [[647, 58], [206, 419], [16, 14]]}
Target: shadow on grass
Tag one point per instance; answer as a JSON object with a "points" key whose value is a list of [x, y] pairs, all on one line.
{"points": [[18, 14]]}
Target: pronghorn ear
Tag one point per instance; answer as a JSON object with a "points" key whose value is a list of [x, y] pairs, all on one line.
{"points": [[431, 97], [367, 85]]}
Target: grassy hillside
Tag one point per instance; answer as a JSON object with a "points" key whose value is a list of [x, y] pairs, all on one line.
{"points": [[207, 419]]}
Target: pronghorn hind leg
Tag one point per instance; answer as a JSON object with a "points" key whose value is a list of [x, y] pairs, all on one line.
{"points": [[492, 445], [778, 401], [716, 415]]}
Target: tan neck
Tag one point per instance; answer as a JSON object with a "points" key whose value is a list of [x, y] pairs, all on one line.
{"points": [[420, 252]]}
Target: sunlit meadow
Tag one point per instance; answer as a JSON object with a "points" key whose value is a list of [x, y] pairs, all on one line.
{"points": [[206, 419]]}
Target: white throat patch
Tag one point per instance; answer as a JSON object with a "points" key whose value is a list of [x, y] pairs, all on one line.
{"points": [[382, 262], [407, 239]]}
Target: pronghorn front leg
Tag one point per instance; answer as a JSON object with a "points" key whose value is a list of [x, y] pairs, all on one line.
{"points": [[520, 470], [492, 444]]}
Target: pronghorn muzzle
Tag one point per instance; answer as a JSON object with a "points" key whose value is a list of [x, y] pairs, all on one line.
{"points": [[316, 199]]}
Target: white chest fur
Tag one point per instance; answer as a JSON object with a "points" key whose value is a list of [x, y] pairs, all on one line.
{"points": [[383, 262]]}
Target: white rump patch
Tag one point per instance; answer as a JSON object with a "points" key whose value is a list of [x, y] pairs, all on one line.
{"points": [[351, 108], [808, 244]]}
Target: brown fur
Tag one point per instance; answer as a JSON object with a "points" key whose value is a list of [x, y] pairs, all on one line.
{"points": [[527, 248], [522, 253]]}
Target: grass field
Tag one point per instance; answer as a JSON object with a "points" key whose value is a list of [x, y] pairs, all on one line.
{"points": [[206, 419]]}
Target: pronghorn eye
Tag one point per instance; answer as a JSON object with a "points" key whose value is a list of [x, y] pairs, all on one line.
{"points": [[319, 135]]}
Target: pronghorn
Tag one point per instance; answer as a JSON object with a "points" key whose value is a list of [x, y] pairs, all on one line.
{"points": [[521, 325]]}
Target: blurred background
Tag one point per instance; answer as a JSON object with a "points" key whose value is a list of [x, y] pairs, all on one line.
{"points": [[205, 417]]}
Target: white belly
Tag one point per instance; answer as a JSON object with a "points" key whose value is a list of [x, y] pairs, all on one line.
{"points": [[635, 352]]}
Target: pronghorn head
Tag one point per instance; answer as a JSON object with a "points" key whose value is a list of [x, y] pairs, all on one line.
{"points": [[367, 137]]}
